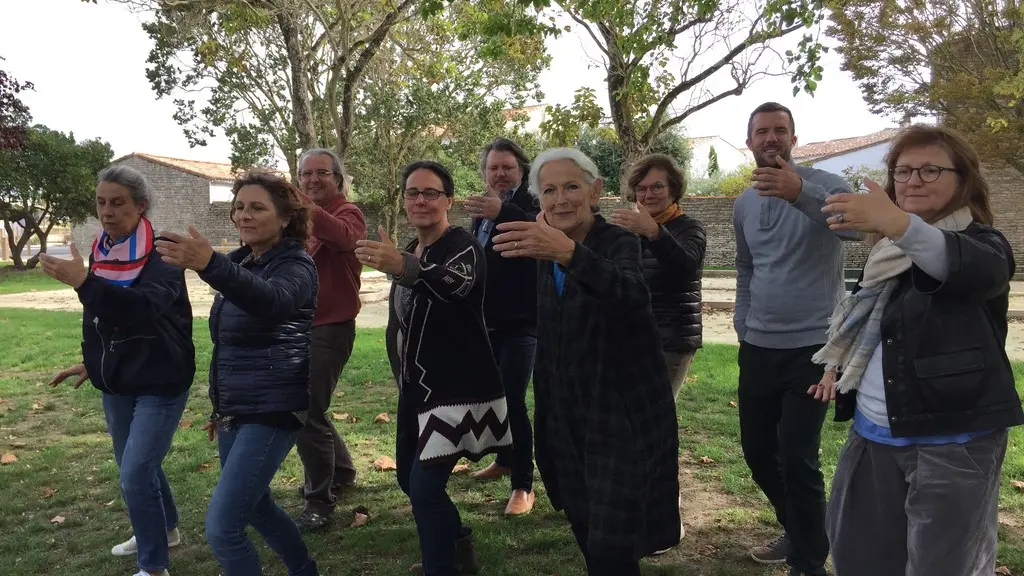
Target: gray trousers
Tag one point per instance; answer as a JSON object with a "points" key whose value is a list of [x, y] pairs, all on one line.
{"points": [[916, 510]]}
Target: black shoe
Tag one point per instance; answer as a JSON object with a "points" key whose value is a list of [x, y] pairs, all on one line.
{"points": [[309, 521], [794, 571], [337, 488], [465, 559]]}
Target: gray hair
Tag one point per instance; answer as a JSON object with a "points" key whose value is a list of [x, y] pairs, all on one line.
{"points": [[342, 178], [590, 171], [131, 179]]}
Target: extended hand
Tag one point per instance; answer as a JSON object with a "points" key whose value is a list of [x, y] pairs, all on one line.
{"points": [[382, 256], [76, 370], [71, 272], [873, 212], [781, 182], [488, 206], [193, 252], [537, 240], [639, 221]]}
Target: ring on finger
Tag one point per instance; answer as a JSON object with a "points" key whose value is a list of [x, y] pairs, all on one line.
{"points": [[839, 219]]}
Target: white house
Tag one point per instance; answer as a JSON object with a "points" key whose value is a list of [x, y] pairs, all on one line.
{"points": [[534, 115], [837, 155], [729, 157]]}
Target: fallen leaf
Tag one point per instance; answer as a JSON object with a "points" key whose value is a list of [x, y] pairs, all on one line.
{"points": [[8, 458], [57, 520], [706, 460], [382, 418], [690, 379], [359, 519], [18, 444], [1019, 485], [111, 503], [338, 416], [185, 424], [384, 464], [48, 492], [187, 410], [354, 419], [1003, 570], [460, 469], [339, 394], [37, 405], [732, 405], [204, 467]]}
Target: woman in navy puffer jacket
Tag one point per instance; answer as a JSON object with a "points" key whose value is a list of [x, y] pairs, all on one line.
{"points": [[260, 323]]}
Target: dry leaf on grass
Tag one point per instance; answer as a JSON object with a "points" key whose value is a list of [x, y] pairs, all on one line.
{"points": [[1003, 570], [460, 469], [18, 444], [37, 405], [185, 424], [111, 503], [690, 379], [1017, 484], [360, 516], [384, 464], [8, 458], [354, 419], [381, 418], [732, 405], [57, 520], [204, 467], [706, 460], [48, 492], [339, 394], [338, 416]]}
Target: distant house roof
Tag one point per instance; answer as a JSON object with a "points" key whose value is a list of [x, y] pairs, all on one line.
{"points": [[822, 150], [209, 170], [527, 110]]}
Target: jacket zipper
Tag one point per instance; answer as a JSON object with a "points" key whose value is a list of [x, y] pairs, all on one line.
{"points": [[103, 354]]}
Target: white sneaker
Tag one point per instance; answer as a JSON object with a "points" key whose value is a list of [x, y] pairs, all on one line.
{"points": [[130, 547]]}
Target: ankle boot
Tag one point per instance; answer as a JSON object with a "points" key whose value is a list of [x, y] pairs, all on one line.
{"points": [[465, 556]]}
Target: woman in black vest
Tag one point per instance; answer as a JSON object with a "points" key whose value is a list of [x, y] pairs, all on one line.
{"points": [[451, 403], [261, 324], [673, 258]]}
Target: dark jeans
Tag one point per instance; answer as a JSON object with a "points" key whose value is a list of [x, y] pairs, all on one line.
{"points": [[438, 523], [324, 455], [250, 455], [780, 431], [514, 352], [602, 565], [142, 428]]}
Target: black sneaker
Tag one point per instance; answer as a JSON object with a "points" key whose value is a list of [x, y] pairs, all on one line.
{"points": [[773, 552], [310, 521]]}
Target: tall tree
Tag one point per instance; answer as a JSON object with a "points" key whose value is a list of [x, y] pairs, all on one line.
{"points": [[48, 181], [665, 60], [958, 59], [14, 115]]}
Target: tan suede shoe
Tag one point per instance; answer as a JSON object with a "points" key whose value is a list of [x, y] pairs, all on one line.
{"points": [[492, 472], [521, 502]]}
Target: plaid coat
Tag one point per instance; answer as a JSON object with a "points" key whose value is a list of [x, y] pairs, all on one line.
{"points": [[606, 436]]}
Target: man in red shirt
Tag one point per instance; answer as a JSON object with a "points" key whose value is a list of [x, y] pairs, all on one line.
{"points": [[337, 225]]}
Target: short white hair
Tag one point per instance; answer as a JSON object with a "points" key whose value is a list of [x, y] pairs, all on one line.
{"points": [[590, 172]]}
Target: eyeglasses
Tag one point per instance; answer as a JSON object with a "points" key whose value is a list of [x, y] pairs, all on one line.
{"points": [[927, 173], [319, 174], [656, 188], [429, 193]]}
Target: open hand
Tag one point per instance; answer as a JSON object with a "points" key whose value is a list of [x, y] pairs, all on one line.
{"points": [[638, 220], [537, 240], [382, 256], [825, 390], [488, 206], [193, 251], [783, 182], [873, 212], [70, 272], [77, 370]]}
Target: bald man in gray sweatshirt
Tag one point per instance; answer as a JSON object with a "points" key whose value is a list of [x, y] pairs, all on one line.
{"points": [[789, 279]]}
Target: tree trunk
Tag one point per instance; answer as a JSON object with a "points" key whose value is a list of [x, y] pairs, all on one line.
{"points": [[622, 116], [302, 107], [18, 245], [43, 235]]}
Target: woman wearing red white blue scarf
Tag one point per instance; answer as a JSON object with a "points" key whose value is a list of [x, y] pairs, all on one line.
{"points": [[137, 350]]}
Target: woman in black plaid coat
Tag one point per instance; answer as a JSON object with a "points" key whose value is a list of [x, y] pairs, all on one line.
{"points": [[606, 438]]}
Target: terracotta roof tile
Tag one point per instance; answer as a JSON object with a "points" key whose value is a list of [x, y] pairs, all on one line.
{"points": [[822, 150]]}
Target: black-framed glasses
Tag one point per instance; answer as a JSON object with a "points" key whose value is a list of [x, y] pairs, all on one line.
{"points": [[927, 173], [427, 193], [656, 188], [306, 175]]}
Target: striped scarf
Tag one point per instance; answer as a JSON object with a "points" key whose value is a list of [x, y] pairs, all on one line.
{"points": [[121, 262], [856, 326]]}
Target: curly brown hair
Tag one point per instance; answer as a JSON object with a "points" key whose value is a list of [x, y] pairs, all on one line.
{"points": [[676, 179], [287, 200], [972, 190]]}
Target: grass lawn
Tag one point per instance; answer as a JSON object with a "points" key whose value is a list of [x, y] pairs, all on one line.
{"points": [[14, 282], [65, 468]]}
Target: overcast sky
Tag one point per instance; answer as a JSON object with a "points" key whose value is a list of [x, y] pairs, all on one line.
{"points": [[89, 76]]}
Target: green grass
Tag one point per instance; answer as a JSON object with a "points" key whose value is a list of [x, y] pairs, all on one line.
{"points": [[59, 437], [15, 282]]}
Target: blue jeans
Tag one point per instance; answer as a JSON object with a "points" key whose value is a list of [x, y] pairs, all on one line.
{"points": [[142, 428], [514, 351], [438, 523], [250, 455]]}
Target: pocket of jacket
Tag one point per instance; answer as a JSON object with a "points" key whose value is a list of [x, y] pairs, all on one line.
{"points": [[951, 381]]}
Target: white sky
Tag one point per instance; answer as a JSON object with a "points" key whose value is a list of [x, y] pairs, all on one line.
{"points": [[89, 76]]}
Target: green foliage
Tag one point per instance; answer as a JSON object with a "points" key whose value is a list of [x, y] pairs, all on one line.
{"points": [[713, 168], [50, 180], [958, 60], [731, 183], [604, 149], [14, 114], [855, 175], [563, 124]]}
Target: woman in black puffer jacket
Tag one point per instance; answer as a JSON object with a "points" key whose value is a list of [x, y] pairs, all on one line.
{"points": [[673, 258], [261, 324]]}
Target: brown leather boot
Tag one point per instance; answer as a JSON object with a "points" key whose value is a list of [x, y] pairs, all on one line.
{"points": [[492, 472], [521, 502]]}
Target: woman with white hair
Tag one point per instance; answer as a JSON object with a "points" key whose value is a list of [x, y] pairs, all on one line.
{"points": [[606, 440]]}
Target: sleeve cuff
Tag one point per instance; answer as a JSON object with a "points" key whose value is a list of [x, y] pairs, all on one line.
{"points": [[411, 271]]}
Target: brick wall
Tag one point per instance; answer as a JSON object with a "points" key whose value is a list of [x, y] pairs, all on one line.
{"points": [[1006, 186]]}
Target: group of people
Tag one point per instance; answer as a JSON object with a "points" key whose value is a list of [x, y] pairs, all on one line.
{"points": [[605, 316]]}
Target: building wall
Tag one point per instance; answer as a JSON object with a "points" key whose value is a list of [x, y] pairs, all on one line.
{"points": [[872, 157]]}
